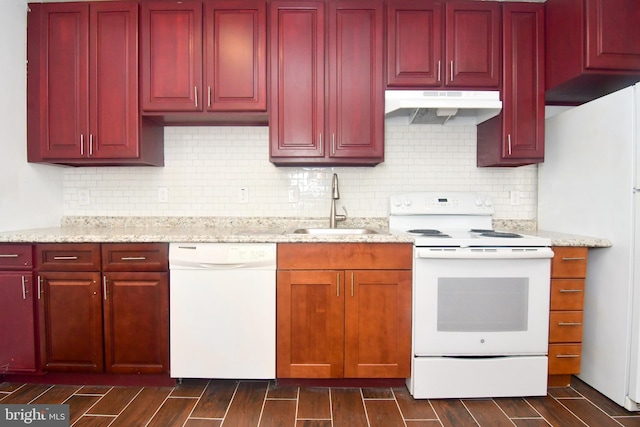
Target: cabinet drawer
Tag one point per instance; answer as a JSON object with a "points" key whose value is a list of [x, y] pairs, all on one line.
{"points": [[135, 257], [564, 358], [569, 262], [565, 326], [16, 257], [68, 257], [567, 294], [345, 256]]}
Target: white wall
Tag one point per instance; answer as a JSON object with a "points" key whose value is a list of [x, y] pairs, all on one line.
{"points": [[30, 195], [205, 167]]}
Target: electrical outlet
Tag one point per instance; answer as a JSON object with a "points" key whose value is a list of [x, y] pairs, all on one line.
{"points": [[84, 197], [243, 195], [163, 194]]}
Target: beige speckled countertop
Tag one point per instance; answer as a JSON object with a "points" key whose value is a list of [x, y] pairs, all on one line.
{"points": [[562, 239], [197, 229], [243, 230]]}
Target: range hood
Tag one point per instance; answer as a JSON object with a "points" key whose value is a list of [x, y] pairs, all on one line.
{"points": [[441, 107]]}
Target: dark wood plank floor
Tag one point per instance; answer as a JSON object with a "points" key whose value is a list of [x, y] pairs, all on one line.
{"points": [[202, 403]]}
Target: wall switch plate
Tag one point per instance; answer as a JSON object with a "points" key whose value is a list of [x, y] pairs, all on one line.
{"points": [[293, 194], [243, 195], [514, 196], [163, 194], [84, 197]]}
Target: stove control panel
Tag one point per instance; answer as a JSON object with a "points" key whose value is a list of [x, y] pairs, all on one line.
{"points": [[440, 203]]}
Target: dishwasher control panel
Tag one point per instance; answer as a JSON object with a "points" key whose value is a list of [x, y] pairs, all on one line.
{"points": [[221, 255]]}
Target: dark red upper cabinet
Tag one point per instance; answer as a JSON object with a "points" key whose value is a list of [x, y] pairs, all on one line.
{"points": [[516, 136], [297, 97], [436, 43], [327, 103], [597, 55], [236, 55], [82, 90], [203, 57], [171, 55], [356, 95]]}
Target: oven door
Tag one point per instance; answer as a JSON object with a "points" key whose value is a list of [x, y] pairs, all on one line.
{"points": [[481, 301]]}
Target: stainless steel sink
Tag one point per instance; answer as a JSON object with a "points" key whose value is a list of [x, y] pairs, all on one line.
{"points": [[335, 231]]}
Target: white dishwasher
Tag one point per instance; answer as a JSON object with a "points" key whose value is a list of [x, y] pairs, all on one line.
{"points": [[222, 310]]}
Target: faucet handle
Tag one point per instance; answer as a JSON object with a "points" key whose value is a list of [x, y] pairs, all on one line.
{"points": [[345, 212]]}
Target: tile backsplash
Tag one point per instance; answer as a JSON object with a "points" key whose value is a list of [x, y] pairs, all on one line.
{"points": [[225, 171]]}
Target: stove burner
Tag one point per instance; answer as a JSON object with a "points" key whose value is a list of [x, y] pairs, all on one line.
{"points": [[481, 230], [425, 231], [428, 232], [500, 234]]}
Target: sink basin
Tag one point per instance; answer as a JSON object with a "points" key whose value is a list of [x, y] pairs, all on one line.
{"points": [[336, 231]]}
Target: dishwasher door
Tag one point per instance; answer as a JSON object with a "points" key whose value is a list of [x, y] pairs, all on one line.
{"points": [[223, 310]]}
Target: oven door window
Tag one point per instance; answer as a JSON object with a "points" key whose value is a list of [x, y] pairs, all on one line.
{"points": [[497, 304], [472, 307]]}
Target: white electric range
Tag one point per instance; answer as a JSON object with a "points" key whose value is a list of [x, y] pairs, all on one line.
{"points": [[480, 299]]}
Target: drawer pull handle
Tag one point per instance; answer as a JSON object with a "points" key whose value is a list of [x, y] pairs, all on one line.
{"points": [[104, 287], [24, 287], [566, 291], [573, 258], [569, 324], [8, 255], [567, 356], [65, 258], [134, 258]]}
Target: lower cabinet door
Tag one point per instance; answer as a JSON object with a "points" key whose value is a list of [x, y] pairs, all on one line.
{"points": [[378, 324], [310, 324], [136, 323], [344, 324], [17, 328], [71, 321]]}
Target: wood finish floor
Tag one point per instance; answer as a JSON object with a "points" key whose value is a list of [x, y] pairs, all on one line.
{"points": [[201, 403]]}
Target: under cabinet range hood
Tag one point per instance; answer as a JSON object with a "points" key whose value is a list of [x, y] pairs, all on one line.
{"points": [[441, 107]]}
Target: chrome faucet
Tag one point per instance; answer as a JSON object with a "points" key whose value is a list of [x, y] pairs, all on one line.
{"points": [[335, 195]]}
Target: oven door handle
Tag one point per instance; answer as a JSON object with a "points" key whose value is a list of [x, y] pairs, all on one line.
{"points": [[484, 253]]}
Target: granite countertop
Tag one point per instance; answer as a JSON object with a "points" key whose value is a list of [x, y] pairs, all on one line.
{"points": [[197, 230], [563, 239], [243, 230]]}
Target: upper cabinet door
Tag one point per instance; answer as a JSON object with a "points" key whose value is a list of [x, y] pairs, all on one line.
{"points": [[297, 96], [515, 137], [524, 82], [113, 78], [472, 45], [356, 82], [64, 89], [171, 56], [613, 37], [414, 43], [235, 55], [459, 50]]}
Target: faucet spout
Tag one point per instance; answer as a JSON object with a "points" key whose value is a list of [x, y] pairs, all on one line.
{"points": [[335, 195], [335, 192]]}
